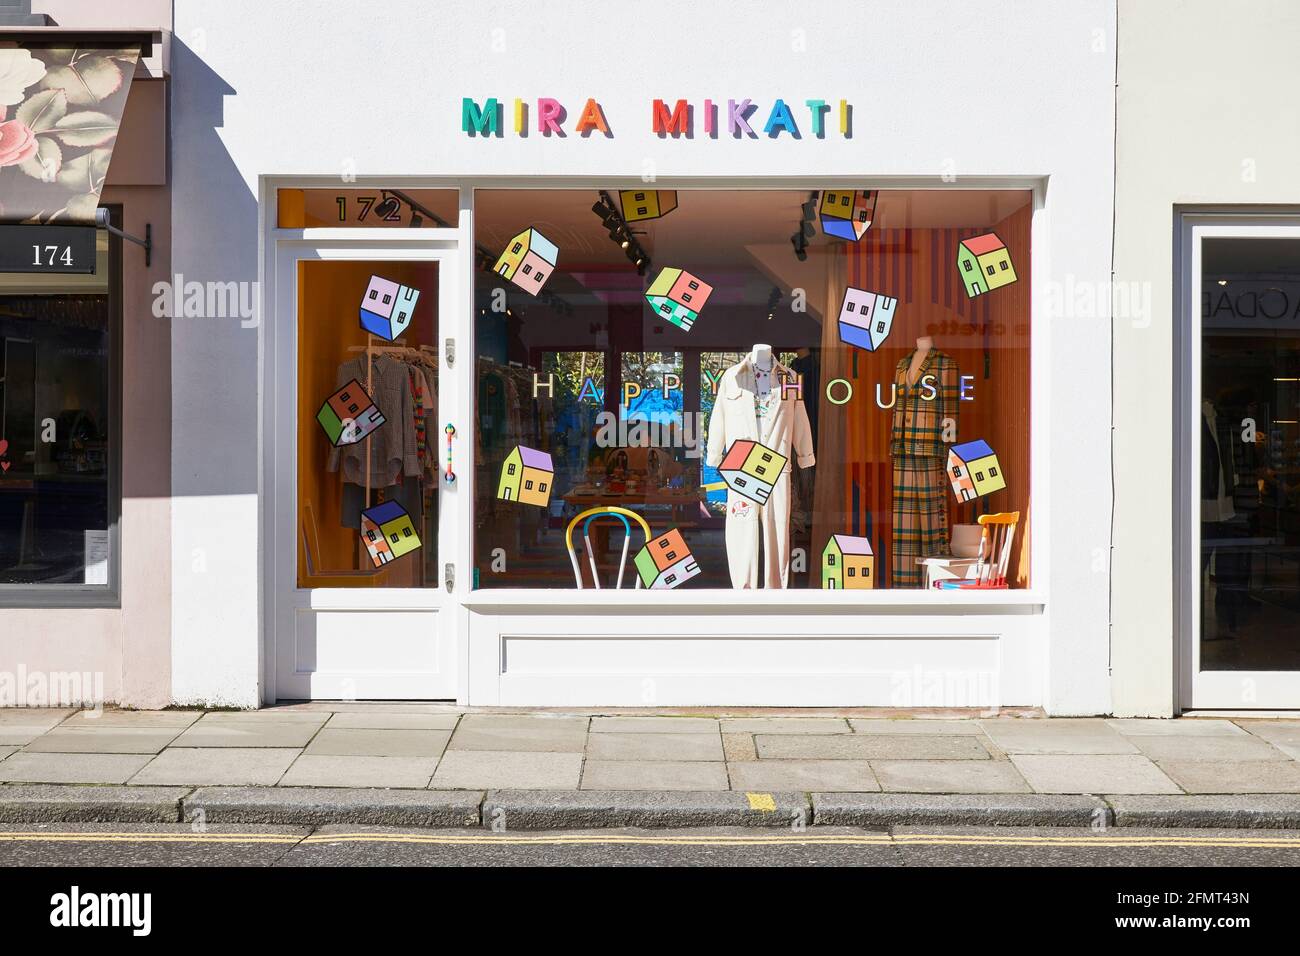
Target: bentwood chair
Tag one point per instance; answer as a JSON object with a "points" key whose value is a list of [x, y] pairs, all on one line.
{"points": [[593, 514]]}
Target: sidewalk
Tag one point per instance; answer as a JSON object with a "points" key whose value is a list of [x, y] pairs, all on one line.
{"points": [[437, 765]]}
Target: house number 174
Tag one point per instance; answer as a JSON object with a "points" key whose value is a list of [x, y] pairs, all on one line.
{"points": [[51, 255]]}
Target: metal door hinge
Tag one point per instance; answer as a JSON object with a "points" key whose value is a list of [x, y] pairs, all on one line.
{"points": [[449, 576], [450, 349]]}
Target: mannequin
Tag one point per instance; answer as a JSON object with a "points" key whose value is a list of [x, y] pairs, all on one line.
{"points": [[927, 394], [748, 409]]}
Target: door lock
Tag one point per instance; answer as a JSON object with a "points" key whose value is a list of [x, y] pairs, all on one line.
{"points": [[449, 576], [450, 348]]}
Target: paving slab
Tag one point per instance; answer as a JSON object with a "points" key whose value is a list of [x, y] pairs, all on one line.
{"points": [[53, 803], [239, 733], [802, 775], [653, 775], [275, 715], [371, 742], [1262, 810], [490, 770], [868, 746], [22, 725], [176, 720], [71, 768], [531, 810], [1282, 733], [509, 733], [1055, 736], [1170, 747], [386, 720], [964, 809], [950, 728], [216, 766], [1219, 776], [1177, 727], [322, 806], [947, 776], [105, 740], [738, 747], [659, 746], [1092, 773], [315, 770], [785, 725], [654, 725]]}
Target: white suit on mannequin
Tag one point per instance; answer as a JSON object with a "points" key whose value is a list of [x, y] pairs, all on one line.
{"points": [[752, 404]]}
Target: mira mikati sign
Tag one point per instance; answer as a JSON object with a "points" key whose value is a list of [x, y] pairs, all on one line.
{"points": [[735, 118]]}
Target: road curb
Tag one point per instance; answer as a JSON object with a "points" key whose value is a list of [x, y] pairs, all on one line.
{"points": [[311, 806], [945, 809], [1278, 811], [651, 809], [65, 803]]}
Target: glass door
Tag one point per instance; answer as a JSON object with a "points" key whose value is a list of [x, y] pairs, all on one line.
{"points": [[360, 451], [1242, 430]]}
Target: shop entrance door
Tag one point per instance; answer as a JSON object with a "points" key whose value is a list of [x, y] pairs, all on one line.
{"points": [[1240, 463], [360, 528]]}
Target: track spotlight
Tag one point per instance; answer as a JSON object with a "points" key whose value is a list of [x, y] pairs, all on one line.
{"points": [[809, 209], [387, 207], [800, 246], [807, 229]]}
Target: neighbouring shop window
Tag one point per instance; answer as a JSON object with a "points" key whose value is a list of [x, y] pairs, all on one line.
{"points": [[760, 388], [58, 433], [1249, 463], [369, 448], [367, 208]]}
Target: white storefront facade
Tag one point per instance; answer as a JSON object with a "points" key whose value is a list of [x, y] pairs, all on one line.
{"points": [[359, 101]]}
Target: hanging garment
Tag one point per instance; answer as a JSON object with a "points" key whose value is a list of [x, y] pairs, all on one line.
{"points": [[391, 447], [781, 425], [918, 450], [1218, 474]]}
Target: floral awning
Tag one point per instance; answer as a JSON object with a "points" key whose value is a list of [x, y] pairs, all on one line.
{"points": [[60, 108]]}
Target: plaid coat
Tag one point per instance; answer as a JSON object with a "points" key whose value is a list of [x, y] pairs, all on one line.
{"points": [[920, 409], [920, 514]]}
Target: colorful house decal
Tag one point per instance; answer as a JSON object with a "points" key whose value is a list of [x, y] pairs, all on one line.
{"points": [[678, 296], [847, 214], [387, 532], [984, 263], [848, 563], [751, 469], [349, 415], [642, 204], [527, 476], [528, 261], [387, 307], [974, 471], [666, 561], [866, 318]]}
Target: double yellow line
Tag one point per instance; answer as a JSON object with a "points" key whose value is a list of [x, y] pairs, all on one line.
{"points": [[783, 838]]}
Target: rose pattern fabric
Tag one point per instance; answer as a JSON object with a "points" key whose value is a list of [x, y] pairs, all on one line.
{"points": [[59, 113], [17, 143]]}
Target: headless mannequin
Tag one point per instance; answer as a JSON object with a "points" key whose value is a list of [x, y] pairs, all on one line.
{"points": [[760, 356], [923, 346]]}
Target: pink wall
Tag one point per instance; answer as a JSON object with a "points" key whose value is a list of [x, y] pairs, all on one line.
{"points": [[129, 645]]}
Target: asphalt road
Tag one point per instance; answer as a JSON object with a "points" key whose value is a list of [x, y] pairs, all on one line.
{"points": [[265, 846]]}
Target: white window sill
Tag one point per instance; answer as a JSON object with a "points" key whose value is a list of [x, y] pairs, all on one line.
{"points": [[560, 601]]}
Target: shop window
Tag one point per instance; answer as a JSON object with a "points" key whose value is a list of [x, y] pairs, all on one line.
{"points": [[624, 384], [367, 208], [59, 432]]}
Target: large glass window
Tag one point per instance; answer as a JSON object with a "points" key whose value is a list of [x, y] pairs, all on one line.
{"points": [[761, 388], [58, 498], [1249, 424]]}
